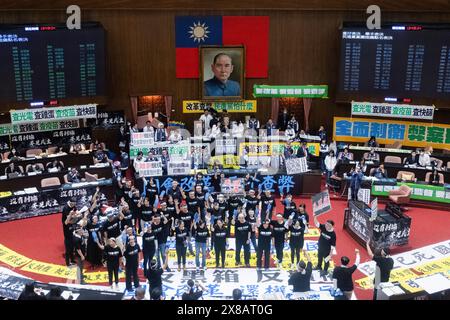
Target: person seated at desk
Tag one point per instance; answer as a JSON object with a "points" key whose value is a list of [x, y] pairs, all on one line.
{"points": [[77, 148], [73, 176], [14, 155], [35, 168], [372, 156], [424, 158], [12, 168], [290, 132], [345, 156], [380, 172], [175, 136], [372, 142], [100, 156], [412, 159], [55, 164]]}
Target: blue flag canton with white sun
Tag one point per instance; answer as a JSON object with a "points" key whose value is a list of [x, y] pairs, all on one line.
{"points": [[199, 31], [193, 31]]}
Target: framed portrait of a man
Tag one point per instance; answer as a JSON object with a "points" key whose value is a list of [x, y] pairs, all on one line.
{"points": [[222, 73]]}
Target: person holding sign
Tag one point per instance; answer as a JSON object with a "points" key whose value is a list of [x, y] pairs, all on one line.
{"points": [[327, 244]]}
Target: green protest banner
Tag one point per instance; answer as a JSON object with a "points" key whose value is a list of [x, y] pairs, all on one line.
{"points": [[310, 91]]}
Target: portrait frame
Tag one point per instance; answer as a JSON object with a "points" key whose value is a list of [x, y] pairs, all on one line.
{"points": [[206, 56]]}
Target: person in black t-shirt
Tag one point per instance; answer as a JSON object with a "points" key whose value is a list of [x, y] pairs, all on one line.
{"points": [[113, 256], [216, 213], [68, 211], [181, 234], [193, 204], [201, 197], [289, 206], [267, 205], [79, 244], [193, 292], [385, 264], [279, 234], [301, 280], [242, 231], [297, 230], [201, 234], [219, 239], [111, 229], [148, 246], [342, 275], [145, 212], [151, 191], [175, 191], [74, 176], [327, 244], [252, 219], [131, 255], [159, 225], [187, 217], [264, 242], [154, 274], [251, 201]]}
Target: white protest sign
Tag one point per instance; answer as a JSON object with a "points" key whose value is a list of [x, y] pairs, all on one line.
{"points": [[179, 167], [296, 165]]}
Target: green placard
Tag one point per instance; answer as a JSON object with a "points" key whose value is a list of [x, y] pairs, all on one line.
{"points": [[419, 192], [311, 91]]}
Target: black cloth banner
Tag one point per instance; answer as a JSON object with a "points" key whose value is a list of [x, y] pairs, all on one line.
{"points": [[51, 138], [50, 201], [12, 286], [107, 119], [384, 231]]}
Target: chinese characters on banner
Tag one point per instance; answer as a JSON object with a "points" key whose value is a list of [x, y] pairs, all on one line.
{"points": [[392, 110], [54, 113], [8, 129], [275, 148], [312, 91], [107, 119], [149, 169], [142, 138], [233, 186], [175, 168], [194, 106], [175, 151], [321, 203], [296, 165], [413, 134], [45, 139], [419, 191]]}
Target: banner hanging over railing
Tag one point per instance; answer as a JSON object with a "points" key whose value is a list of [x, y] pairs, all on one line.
{"points": [[85, 111], [389, 110], [9, 129], [310, 91], [196, 106], [413, 134]]}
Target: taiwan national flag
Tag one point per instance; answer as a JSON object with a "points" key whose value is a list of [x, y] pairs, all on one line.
{"points": [[250, 31]]}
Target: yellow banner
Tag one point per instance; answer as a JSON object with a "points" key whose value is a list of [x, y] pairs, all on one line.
{"points": [[227, 161], [50, 269], [409, 133], [196, 106], [275, 148], [12, 258]]}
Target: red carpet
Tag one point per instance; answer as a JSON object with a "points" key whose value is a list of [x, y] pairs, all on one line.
{"points": [[41, 238]]}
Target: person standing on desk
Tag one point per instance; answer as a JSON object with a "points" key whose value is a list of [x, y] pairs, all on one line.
{"points": [[220, 85]]}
